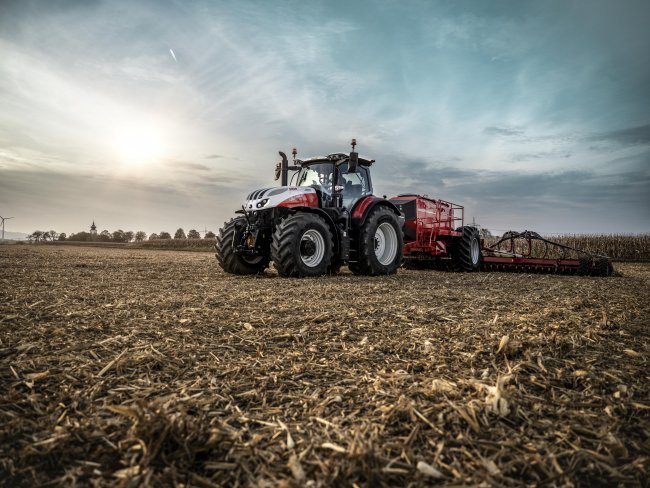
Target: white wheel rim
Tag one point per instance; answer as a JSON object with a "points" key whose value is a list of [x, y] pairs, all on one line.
{"points": [[475, 251], [312, 237], [385, 243]]}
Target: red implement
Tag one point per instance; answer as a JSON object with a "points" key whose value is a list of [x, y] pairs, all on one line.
{"points": [[435, 237]]}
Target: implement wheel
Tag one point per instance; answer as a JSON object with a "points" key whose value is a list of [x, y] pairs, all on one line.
{"points": [[302, 246], [466, 250], [230, 235], [583, 267], [604, 268]]}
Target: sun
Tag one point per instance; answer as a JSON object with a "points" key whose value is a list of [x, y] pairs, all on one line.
{"points": [[139, 144]]}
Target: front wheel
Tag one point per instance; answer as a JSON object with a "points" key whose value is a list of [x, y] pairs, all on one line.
{"points": [[302, 246], [230, 235], [466, 250], [380, 244]]}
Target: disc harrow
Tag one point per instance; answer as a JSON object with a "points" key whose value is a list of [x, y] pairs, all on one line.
{"points": [[529, 252]]}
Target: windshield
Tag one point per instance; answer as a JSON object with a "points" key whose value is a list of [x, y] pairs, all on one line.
{"points": [[317, 175]]}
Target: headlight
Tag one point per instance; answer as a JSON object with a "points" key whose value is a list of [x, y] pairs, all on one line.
{"points": [[261, 203]]}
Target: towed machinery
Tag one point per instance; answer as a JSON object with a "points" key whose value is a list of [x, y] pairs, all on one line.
{"points": [[329, 217], [432, 240]]}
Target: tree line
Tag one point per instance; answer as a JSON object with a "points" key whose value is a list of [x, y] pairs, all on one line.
{"points": [[115, 236]]}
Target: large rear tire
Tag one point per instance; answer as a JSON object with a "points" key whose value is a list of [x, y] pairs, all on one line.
{"points": [[380, 244], [604, 268], [229, 235], [302, 246], [466, 250]]}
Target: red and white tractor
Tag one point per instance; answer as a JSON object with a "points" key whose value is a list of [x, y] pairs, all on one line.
{"points": [[327, 216]]}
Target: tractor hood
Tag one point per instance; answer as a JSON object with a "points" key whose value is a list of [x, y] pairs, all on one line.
{"points": [[281, 196]]}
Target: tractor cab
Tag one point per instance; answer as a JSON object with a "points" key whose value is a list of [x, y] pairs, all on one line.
{"points": [[335, 182]]}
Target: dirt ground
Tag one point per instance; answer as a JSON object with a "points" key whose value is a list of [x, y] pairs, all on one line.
{"points": [[134, 367]]}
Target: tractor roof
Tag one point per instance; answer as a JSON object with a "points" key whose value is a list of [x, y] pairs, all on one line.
{"points": [[337, 158]]}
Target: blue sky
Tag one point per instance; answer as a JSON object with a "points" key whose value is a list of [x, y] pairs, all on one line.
{"points": [[532, 114]]}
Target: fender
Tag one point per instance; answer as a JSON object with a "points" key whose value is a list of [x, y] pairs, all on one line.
{"points": [[365, 205]]}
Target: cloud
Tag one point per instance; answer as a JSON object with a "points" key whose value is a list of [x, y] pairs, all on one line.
{"points": [[214, 156], [639, 135], [503, 131], [190, 166], [520, 157]]}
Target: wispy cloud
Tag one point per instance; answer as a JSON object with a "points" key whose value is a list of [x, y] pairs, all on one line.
{"points": [[639, 135], [503, 131]]}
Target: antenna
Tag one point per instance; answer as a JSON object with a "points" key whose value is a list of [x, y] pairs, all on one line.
{"points": [[3, 225], [294, 151], [354, 143]]}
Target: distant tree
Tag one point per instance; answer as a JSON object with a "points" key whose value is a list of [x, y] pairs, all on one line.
{"points": [[193, 234], [53, 235], [209, 235], [164, 235], [180, 234], [46, 236], [154, 236], [62, 236], [118, 236], [37, 235], [105, 236], [128, 235], [80, 236], [140, 236], [485, 232]]}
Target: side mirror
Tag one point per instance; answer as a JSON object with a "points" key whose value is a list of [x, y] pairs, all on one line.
{"points": [[353, 162]]}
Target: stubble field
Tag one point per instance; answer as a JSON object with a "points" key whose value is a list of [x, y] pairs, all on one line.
{"points": [[122, 367]]}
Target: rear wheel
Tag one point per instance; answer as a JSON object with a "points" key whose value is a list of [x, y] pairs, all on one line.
{"points": [[302, 246], [380, 244], [466, 250], [229, 236], [604, 268]]}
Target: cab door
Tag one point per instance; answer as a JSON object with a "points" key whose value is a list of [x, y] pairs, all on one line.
{"points": [[355, 185]]}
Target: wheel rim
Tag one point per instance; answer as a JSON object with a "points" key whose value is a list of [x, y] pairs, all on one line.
{"points": [[385, 243], [312, 248], [476, 252]]}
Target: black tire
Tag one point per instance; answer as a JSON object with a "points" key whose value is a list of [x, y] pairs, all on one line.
{"points": [[380, 244], [302, 246], [604, 267], [466, 250], [233, 263], [583, 267]]}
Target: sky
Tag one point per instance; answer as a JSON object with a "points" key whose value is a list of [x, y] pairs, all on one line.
{"points": [[155, 115]]}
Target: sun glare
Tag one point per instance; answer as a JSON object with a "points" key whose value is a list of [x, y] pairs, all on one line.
{"points": [[139, 144]]}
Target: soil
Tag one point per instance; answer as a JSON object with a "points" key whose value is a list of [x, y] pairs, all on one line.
{"points": [[124, 367]]}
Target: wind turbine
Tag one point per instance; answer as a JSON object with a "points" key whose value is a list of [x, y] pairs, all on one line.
{"points": [[3, 225]]}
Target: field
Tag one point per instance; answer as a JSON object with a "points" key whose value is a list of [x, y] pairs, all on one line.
{"points": [[129, 367]]}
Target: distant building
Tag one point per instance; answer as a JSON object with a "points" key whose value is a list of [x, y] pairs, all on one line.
{"points": [[93, 230]]}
